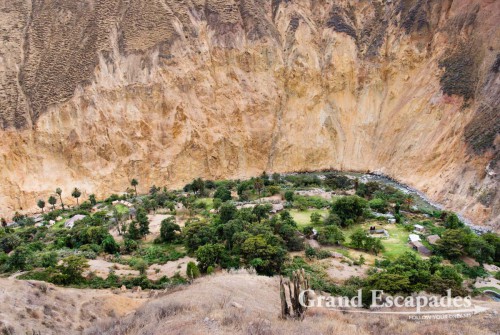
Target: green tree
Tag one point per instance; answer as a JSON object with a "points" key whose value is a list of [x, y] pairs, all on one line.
{"points": [[452, 243], [198, 186], [452, 221], [481, 250], [109, 245], [332, 219], [210, 255], [72, 269], [350, 207], [41, 204], [261, 212], [192, 271], [376, 246], [289, 196], [230, 228], [258, 185], [76, 194], [227, 212], [53, 201], [358, 238], [49, 259], [315, 218], [169, 229], [216, 203], [378, 205], [59, 193], [197, 233], [92, 199], [134, 184], [264, 254], [142, 219], [133, 232], [20, 259], [330, 235], [276, 178], [223, 194]]}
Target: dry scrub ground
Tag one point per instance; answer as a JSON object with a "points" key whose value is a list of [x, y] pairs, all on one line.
{"points": [[238, 303]]}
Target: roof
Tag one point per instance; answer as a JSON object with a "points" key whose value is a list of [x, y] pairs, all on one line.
{"points": [[421, 248], [413, 237], [418, 226], [433, 239]]}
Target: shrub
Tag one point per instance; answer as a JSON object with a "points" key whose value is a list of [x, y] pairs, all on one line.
{"points": [[310, 252], [378, 205], [349, 208], [192, 270], [322, 254]]}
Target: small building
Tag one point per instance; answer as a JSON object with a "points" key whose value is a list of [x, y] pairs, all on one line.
{"points": [[419, 228], [433, 239], [418, 246], [71, 222], [391, 220], [413, 238], [38, 218]]}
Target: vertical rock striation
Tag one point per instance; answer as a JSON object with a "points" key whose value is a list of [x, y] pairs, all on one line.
{"points": [[95, 92]]}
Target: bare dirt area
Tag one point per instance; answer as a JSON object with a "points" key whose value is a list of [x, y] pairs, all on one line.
{"points": [[340, 271], [169, 269], [237, 303], [155, 224], [33, 307], [101, 268], [249, 304]]}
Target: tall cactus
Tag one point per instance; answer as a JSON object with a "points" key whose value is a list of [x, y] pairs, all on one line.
{"points": [[298, 283]]}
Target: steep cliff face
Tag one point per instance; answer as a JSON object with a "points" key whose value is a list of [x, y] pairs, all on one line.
{"points": [[94, 93]]}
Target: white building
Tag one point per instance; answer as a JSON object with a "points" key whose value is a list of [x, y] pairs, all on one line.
{"points": [[413, 238], [419, 227]]}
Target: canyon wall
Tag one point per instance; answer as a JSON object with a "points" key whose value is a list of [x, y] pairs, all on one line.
{"points": [[96, 92]]}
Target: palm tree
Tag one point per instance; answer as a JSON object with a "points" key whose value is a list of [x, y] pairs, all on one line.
{"points": [[258, 184], [76, 194], [409, 200], [59, 192], [134, 183], [41, 204], [53, 201]]}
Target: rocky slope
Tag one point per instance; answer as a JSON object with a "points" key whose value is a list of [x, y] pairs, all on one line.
{"points": [[218, 304], [93, 93]]}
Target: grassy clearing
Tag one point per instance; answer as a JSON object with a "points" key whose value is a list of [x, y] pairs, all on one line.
{"points": [[395, 245], [209, 202], [122, 209], [303, 218]]}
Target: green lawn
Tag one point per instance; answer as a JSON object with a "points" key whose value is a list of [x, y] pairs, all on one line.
{"points": [[122, 209], [395, 245], [209, 202], [303, 218]]}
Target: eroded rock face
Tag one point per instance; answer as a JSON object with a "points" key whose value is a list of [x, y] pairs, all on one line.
{"points": [[94, 93]]}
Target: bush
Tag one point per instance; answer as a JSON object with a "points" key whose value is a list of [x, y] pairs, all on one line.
{"points": [[192, 270], [330, 235], [349, 208], [310, 252], [322, 254], [378, 205]]}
